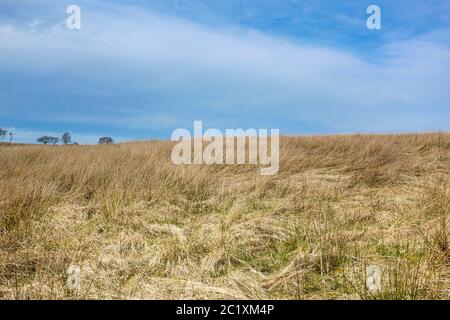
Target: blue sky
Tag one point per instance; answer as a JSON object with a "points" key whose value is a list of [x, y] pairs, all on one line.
{"points": [[140, 69]]}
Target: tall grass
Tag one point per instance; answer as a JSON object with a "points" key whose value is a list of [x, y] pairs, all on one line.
{"points": [[141, 227]]}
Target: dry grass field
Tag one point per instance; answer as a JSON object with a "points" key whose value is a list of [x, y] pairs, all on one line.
{"points": [[140, 227]]}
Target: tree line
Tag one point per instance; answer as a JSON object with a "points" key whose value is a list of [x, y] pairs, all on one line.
{"points": [[66, 139]]}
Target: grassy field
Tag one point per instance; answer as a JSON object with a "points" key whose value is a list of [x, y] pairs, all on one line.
{"points": [[141, 228]]}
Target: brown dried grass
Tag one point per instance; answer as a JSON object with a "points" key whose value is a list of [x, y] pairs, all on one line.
{"points": [[141, 227]]}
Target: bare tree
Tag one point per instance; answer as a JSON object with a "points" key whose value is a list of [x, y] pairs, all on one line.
{"points": [[66, 138], [105, 140]]}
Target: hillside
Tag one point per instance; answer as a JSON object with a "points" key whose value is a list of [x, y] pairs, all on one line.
{"points": [[141, 227]]}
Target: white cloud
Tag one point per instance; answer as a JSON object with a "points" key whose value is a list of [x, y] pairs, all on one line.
{"points": [[204, 73]]}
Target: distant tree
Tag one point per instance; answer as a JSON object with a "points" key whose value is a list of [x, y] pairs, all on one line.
{"points": [[43, 140], [3, 133], [54, 140], [66, 138], [105, 140], [48, 139], [75, 143], [10, 137]]}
